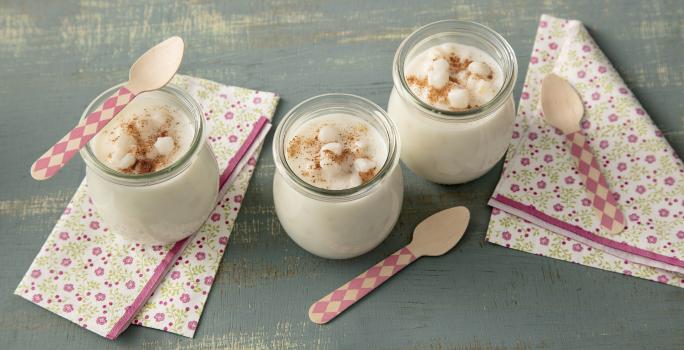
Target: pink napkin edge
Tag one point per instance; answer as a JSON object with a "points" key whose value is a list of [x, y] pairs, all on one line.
{"points": [[531, 214], [258, 133]]}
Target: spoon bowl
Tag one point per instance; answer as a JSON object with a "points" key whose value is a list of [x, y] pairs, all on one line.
{"points": [[157, 66], [440, 232], [561, 104]]}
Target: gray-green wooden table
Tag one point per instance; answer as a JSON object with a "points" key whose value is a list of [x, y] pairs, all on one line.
{"points": [[55, 56]]}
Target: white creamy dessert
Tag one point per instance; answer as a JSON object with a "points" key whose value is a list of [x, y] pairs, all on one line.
{"points": [[338, 186], [453, 100], [146, 136], [454, 77], [336, 152], [150, 172]]}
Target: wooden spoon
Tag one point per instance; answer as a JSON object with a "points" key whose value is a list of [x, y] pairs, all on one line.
{"points": [[151, 71], [434, 236], [563, 109]]}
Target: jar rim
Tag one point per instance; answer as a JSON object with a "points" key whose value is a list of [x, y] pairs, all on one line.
{"points": [[509, 67], [173, 169], [340, 103]]}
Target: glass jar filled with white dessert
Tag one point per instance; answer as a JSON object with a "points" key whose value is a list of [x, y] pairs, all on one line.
{"points": [[150, 172], [338, 186], [452, 100]]}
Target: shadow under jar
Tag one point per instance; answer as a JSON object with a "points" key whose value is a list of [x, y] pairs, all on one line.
{"points": [[452, 146], [164, 205], [346, 222]]}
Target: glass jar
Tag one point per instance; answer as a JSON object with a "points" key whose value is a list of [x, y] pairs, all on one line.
{"points": [[451, 147], [344, 223], [163, 206]]}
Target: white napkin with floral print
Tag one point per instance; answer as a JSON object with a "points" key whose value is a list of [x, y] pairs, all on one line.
{"points": [[103, 283], [539, 185]]}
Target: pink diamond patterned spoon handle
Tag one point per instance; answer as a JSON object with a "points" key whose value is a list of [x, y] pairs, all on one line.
{"points": [[434, 236], [600, 195], [151, 71], [335, 303], [61, 153]]}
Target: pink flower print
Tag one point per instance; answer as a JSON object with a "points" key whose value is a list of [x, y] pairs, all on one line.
{"points": [[663, 279], [534, 60], [223, 240], [627, 272], [525, 95], [595, 96], [101, 320], [64, 236], [515, 188], [553, 46], [650, 158], [232, 138], [569, 180], [94, 225], [99, 271], [586, 202], [256, 100], [585, 124], [548, 158], [68, 287], [100, 297], [664, 212], [544, 241], [602, 69], [557, 207], [616, 196], [581, 74], [506, 235], [37, 298], [515, 134], [525, 161], [586, 48], [669, 180], [613, 117], [623, 90], [200, 256], [541, 184], [67, 211], [651, 239], [603, 144], [632, 138], [68, 308], [130, 284], [577, 247], [215, 217], [97, 251], [532, 136], [128, 260], [36, 273], [159, 316], [680, 234], [229, 115], [633, 217], [192, 325], [157, 248], [66, 262], [185, 297], [252, 161], [175, 275], [238, 198], [208, 280], [640, 111], [622, 166], [543, 24]]}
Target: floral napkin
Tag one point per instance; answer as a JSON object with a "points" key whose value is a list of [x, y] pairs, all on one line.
{"points": [[540, 205], [94, 278]]}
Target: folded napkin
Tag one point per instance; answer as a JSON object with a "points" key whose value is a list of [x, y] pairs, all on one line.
{"points": [[94, 278], [540, 203]]}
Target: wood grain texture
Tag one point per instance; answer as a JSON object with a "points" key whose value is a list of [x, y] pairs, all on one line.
{"points": [[57, 56]]}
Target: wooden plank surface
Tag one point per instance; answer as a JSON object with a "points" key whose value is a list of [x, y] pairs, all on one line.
{"points": [[55, 56]]}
